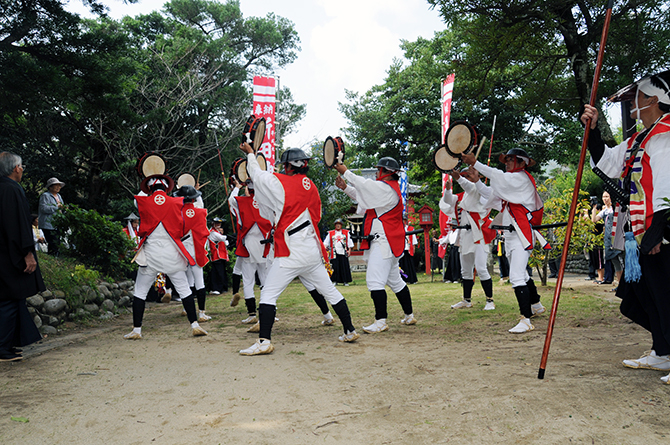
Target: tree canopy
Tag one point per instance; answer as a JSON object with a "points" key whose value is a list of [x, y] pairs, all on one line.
{"points": [[528, 62], [84, 99]]}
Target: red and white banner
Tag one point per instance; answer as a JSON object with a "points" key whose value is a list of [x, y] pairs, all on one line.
{"points": [[264, 106], [447, 91]]}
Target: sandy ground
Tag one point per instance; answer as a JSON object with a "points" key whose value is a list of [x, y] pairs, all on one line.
{"points": [[417, 384]]}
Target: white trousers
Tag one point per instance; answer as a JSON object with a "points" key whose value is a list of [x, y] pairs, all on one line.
{"points": [[237, 268], [195, 277], [475, 260], [382, 271], [315, 275], [249, 270], [518, 260], [146, 278]]}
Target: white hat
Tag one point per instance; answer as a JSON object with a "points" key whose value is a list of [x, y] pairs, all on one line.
{"points": [[53, 181]]}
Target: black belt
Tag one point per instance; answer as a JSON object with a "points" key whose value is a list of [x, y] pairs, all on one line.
{"points": [[294, 230], [185, 237], [299, 228], [540, 227]]}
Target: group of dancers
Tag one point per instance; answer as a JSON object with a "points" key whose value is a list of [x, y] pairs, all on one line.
{"points": [[278, 237]]}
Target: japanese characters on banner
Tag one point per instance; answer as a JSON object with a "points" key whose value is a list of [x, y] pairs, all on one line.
{"points": [[264, 106], [447, 91]]}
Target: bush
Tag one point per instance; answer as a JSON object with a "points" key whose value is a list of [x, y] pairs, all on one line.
{"points": [[94, 240], [65, 274]]}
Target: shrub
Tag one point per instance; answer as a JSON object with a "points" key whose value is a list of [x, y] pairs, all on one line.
{"points": [[94, 240], [65, 274]]}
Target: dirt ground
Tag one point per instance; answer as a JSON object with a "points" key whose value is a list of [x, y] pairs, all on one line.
{"points": [[419, 384]]}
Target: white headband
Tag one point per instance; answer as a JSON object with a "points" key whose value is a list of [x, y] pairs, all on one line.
{"points": [[297, 164], [650, 90]]}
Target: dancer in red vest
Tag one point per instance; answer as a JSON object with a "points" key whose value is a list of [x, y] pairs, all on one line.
{"points": [[338, 243], [252, 228], [161, 250], [195, 241], [381, 202], [218, 250], [292, 202], [406, 261], [642, 163], [513, 192], [474, 236]]}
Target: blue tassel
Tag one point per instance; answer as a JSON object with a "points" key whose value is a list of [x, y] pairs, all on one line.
{"points": [[632, 269]]}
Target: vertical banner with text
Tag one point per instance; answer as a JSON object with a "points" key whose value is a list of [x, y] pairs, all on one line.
{"points": [[447, 91], [264, 106]]}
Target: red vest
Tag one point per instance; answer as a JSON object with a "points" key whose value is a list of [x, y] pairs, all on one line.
{"points": [[392, 223], [218, 250], [346, 241], [161, 208], [300, 194], [525, 218], [195, 221], [249, 216]]}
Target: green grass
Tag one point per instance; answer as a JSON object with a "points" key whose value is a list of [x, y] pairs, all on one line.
{"points": [[431, 304]]}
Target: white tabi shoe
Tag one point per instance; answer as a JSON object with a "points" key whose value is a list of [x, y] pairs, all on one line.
{"points": [[537, 309], [666, 379], [236, 299], [202, 317], [490, 305], [649, 361], [251, 319], [262, 346], [376, 327], [408, 320], [523, 326], [328, 321], [255, 328], [349, 337], [462, 304], [198, 331], [133, 336]]}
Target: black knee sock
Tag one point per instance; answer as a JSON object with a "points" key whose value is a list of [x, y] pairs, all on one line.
{"points": [[251, 305], [405, 300], [320, 301], [189, 307], [236, 283], [467, 288], [202, 296], [523, 298], [532, 291], [138, 312], [342, 311], [379, 299], [487, 285], [266, 316]]}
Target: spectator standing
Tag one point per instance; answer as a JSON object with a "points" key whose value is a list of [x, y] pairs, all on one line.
{"points": [[38, 235], [50, 202], [20, 275]]}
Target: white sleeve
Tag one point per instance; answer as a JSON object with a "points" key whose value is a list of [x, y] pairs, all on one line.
{"points": [[612, 159], [448, 203], [372, 194], [326, 242], [350, 191], [269, 190], [513, 187]]}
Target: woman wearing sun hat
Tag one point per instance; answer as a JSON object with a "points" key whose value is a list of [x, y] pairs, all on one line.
{"points": [[50, 202]]}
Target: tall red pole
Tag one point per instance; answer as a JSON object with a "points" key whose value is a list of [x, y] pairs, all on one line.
{"points": [[426, 245], [575, 195]]}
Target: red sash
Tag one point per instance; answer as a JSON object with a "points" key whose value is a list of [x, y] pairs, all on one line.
{"points": [[524, 218], [160, 208], [249, 216], [300, 194], [218, 249], [332, 246], [195, 221], [391, 222]]}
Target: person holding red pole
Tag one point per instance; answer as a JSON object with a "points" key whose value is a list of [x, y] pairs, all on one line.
{"points": [[513, 192], [637, 176], [381, 202]]}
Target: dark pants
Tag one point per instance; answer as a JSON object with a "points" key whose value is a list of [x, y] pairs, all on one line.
{"points": [[16, 326], [219, 277], [647, 302], [51, 237]]}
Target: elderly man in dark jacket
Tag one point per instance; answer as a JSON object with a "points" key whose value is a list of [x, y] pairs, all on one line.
{"points": [[20, 275]]}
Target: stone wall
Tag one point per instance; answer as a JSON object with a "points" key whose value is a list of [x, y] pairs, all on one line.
{"points": [[51, 309]]}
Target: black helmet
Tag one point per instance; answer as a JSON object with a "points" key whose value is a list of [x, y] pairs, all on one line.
{"points": [[338, 221], [388, 163], [519, 153], [293, 154], [216, 219], [189, 192]]}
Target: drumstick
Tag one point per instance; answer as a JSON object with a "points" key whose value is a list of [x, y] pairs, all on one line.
{"points": [[198, 180], [202, 185], [481, 144]]}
